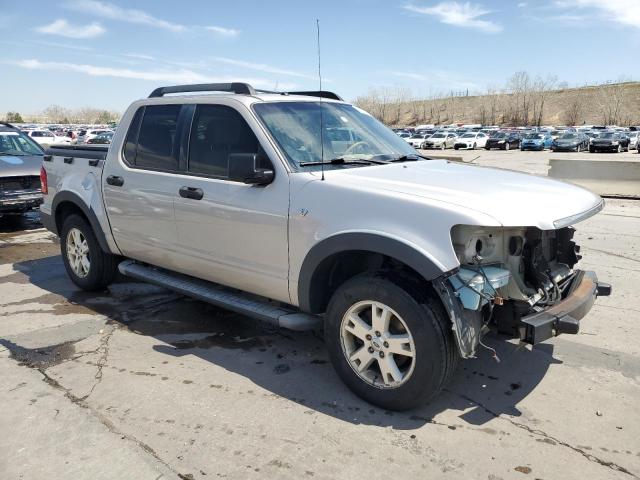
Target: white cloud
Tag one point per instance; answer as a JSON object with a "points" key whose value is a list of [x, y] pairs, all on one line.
{"points": [[260, 67], [466, 15], [140, 56], [63, 28], [223, 32], [114, 12], [624, 12], [522, 4], [175, 76]]}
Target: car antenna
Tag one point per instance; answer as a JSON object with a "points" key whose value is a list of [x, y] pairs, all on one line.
{"points": [[320, 82]]}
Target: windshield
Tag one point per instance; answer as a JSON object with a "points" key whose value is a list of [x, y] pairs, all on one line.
{"points": [[469, 135], [437, 135], [606, 135], [500, 135], [568, 136], [17, 143], [533, 136], [295, 126]]}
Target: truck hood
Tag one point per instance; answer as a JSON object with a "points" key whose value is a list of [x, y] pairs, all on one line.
{"points": [[17, 166], [511, 198]]}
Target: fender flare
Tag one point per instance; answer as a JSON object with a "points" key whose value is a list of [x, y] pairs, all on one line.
{"points": [[75, 199], [360, 241]]}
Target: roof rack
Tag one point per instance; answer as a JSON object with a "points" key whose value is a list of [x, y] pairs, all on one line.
{"points": [[236, 87]]}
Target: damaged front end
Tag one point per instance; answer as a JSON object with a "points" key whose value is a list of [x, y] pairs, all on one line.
{"points": [[520, 281]]}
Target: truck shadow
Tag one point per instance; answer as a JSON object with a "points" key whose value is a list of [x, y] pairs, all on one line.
{"points": [[291, 365]]}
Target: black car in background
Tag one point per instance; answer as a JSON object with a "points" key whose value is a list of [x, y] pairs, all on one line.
{"points": [[503, 141], [609, 142], [20, 163], [570, 142]]}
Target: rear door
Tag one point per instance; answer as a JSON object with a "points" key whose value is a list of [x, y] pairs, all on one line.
{"points": [[232, 233], [139, 184]]}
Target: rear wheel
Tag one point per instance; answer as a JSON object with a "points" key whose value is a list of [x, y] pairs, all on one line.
{"points": [[391, 347], [88, 266]]}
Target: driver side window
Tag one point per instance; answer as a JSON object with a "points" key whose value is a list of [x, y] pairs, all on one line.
{"points": [[218, 131]]}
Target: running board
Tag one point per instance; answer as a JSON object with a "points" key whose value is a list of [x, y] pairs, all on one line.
{"points": [[221, 296]]}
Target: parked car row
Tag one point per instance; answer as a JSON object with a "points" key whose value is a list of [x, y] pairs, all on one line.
{"points": [[560, 139], [69, 135]]}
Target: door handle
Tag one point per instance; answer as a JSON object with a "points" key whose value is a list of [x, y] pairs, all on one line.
{"points": [[191, 192], [115, 181]]}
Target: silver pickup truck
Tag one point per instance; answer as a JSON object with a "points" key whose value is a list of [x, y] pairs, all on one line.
{"points": [[304, 211]]}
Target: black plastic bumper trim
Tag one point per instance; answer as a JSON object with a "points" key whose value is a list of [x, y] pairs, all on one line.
{"points": [[564, 316]]}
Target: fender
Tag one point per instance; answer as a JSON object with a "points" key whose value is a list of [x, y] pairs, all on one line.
{"points": [[67, 196], [370, 242]]}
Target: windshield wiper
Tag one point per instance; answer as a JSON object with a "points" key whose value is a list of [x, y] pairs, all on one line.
{"points": [[408, 158], [342, 161]]}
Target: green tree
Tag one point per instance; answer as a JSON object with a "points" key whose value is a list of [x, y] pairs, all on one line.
{"points": [[14, 117]]}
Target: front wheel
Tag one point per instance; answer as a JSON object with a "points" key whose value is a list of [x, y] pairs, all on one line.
{"points": [[392, 347], [88, 266]]}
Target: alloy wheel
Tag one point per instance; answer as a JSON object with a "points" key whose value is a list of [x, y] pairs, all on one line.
{"points": [[78, 253], [377, 344]]}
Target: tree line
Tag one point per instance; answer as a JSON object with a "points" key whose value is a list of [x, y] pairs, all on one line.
{"points": [[59, 114], [522, 100]]}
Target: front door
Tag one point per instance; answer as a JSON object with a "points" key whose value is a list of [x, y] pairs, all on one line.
{"points": [[230, 232]]}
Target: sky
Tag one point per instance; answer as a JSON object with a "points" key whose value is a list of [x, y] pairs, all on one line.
{"points": [[105, 54]]}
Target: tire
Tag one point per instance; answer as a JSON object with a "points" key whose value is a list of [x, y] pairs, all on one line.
{"points": [[487, 148], [579, 148], [619, 149], [455, 147], [474, 146], [592, 150], [435, 353], [102, 267], [506, 146]]}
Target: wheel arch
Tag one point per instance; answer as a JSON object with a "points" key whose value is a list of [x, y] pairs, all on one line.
{"points": [[335, 259], [67, 203]]}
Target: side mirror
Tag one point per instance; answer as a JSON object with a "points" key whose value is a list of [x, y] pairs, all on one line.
{"points": [[246, 168]]}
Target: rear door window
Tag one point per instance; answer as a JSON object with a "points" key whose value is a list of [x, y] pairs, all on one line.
{"points": [[218, 131], [157, 144]]}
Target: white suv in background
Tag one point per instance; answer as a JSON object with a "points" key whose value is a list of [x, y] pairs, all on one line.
{"points": [[45, 137]]}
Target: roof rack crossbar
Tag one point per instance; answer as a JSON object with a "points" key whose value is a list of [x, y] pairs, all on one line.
{"points": [[234, 87], [308, 93], [317, 93]]}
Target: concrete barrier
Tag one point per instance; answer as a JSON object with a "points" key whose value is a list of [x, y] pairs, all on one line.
{"points": [[616, 178]]}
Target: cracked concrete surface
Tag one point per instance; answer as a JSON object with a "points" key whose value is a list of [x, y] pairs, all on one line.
{"points": [[137, 382]]}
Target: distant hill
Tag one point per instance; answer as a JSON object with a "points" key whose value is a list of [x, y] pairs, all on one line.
{"points": [[612, 104]]}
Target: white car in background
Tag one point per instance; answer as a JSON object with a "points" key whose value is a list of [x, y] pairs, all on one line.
{"points": [[441, 140], [471, 140], [45, 137], [85, 135], [633, 140], [417, 140]]}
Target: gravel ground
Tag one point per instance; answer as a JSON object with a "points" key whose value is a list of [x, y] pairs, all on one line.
{"points": [[137, 382]]}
